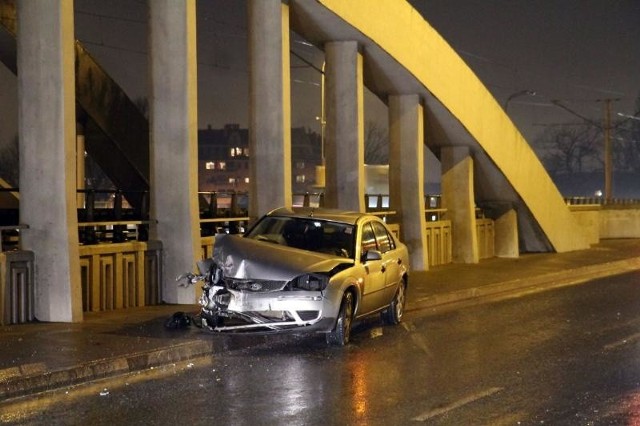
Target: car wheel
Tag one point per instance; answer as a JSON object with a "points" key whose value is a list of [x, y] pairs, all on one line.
{"points": [[342, 332], [393, 314]]}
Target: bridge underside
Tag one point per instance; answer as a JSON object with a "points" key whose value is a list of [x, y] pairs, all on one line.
{"points": [[404, 55]]}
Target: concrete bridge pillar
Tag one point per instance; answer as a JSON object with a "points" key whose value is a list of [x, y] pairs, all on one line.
{"points": [[506, 234], [269, 107], [173, 142], [406, 174], [458, 198], [47, 129], [344, 131]]}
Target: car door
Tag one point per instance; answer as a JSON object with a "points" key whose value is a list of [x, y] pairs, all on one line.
{"points": [[373, 286], [390, 264]]}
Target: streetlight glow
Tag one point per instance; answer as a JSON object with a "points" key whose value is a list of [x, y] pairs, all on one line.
{"points": [[516, 95]]}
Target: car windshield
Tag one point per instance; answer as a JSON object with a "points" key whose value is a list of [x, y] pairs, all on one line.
{"points": [[307, 234]]}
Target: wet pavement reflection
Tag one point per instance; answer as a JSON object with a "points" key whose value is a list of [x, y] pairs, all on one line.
{"points": [[561, 357]]}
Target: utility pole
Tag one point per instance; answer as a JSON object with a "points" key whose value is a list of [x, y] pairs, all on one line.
{"points": [[608, 154], [608, 148]]}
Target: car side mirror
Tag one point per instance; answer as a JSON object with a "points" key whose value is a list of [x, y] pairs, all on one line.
{"points": [[371, 255]]}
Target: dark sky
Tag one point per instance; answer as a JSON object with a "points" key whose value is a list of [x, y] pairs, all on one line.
{"points": [[577, 51]]}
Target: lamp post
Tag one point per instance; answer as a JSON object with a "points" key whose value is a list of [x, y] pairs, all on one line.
{"points": [[320, 170], [516, 95]]}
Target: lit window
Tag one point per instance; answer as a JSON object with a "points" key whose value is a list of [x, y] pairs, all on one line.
{"points": [[210, 165], [236, 152], [300, 178], [245, 152], [232, 180], [222, 165], [246, 180]]}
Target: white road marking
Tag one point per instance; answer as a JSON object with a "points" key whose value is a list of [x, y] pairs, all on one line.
{"points": [[461, 402], [622, 342]]}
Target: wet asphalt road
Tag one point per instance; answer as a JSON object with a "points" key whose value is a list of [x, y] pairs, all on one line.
{"points": [[569, 356]]}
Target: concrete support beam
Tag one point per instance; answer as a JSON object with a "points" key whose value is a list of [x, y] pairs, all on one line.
{"points": [[269, 107], [80, 166], [506, 235], [458, 199], [174, 141], [406, 174], [344, 131], [47, 129]]}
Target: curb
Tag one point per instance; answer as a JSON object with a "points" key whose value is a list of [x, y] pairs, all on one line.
{"points": [[24, 384], [520, 286]]}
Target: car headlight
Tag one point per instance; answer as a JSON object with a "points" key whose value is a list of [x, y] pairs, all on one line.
{"points": [[310, 282]]}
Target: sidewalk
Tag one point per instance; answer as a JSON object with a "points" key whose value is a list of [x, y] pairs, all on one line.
{"points": [[41, 356]]}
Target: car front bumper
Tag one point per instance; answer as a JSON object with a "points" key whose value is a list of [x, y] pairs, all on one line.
{"points": [[272, 311]]}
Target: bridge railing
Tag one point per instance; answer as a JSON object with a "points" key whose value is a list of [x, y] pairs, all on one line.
{"points": [[10, 236], [309, 199], [107, 217], [614, 202]]}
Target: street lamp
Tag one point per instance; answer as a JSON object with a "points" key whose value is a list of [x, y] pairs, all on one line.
{"points": [[516, 95], [321, 169], [631, 117]]}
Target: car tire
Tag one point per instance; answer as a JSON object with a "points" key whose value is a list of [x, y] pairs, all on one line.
{"points": [[393, 314], [341, 333]]}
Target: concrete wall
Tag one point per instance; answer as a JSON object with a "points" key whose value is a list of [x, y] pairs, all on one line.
{"points": [[602, 222], [619, 223], [588, 218]]}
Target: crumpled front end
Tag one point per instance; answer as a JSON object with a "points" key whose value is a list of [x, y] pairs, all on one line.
{"points": [[253, 288]]}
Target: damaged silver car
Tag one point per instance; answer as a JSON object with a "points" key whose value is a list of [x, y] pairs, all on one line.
{"points": [[304, 269]]}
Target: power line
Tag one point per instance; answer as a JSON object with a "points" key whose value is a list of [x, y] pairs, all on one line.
{"points": [[309, 63], [557, 103], [115, 18]]}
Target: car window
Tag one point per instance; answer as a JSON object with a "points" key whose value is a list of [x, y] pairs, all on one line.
{"points": [[391, 240], [307, 234], [368, 238], [384, 240]]}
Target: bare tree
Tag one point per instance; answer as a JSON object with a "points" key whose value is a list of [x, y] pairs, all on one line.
{"points": [[376, 144], [626, 142], [9, 161], [570, 148]]}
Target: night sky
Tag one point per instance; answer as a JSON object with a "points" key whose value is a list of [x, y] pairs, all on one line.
{"points": [[575, 51]]}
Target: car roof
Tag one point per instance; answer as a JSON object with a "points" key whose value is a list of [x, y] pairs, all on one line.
{"points": [[333, 215]]}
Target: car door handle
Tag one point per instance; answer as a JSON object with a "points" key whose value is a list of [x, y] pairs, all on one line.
{"points": [[399, 261], [383, 269]]}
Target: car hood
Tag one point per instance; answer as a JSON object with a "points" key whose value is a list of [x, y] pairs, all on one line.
{"points": [[245, 258]]}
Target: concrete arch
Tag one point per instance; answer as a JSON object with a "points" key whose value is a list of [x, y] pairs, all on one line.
{"points": [[405, 55]]}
